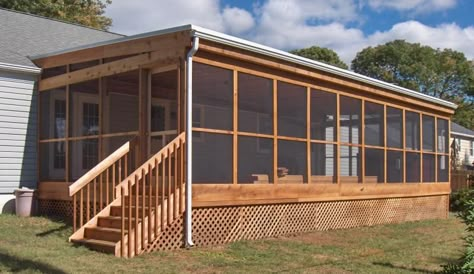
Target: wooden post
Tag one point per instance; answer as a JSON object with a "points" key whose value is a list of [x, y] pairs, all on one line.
{"points": [[143, 113], [362, 140], [275, 132], [404, 146], [308, 134], [235, 124], [384, 124], [66, 130]]}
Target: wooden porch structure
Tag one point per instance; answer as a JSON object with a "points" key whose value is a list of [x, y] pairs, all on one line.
{"points": [[279, 146]]}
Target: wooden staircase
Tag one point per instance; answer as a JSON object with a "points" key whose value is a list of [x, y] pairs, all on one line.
{"points": [[144, 203]]}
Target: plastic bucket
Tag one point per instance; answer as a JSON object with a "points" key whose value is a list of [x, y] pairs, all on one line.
{"points": [[25, 202]]}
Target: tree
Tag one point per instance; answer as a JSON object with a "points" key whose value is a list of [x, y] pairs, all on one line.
{"points": [[85, 12], [445, 74], [324, 55]]}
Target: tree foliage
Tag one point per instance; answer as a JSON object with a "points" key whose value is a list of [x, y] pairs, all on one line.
{"points": [[445, 74], [85, 12], [324, 55]]}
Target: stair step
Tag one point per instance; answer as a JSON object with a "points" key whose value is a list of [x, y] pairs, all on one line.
{"points": [[103, 233], [98, 245], [114, 221]]}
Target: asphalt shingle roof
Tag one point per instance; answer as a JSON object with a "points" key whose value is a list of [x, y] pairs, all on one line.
{"points": [[23, 35], [455, 128]]}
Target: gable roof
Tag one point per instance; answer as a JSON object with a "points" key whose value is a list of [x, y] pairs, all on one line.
{"points": [[457, 129], [224, 39], [23, 35]]}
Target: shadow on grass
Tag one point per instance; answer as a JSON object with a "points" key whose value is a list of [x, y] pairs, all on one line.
{"points": [[51, 231], [413, 269], [17, 264]]}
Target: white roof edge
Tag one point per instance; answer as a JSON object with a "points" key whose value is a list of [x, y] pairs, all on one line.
{"points": [[462, 134], [20, 68], [229, 40], [283, 55]]}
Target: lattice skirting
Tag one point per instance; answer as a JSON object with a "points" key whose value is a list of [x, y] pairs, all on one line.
{"points": [[220, 225], [56, 208]]}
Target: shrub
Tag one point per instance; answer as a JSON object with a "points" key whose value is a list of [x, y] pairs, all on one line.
{"points": [[459, 199]]}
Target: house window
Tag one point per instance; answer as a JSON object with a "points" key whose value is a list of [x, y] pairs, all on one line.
{"points": [[90, 126]]}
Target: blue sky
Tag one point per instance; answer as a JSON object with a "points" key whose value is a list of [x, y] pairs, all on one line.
{"points": [[346, 26]]}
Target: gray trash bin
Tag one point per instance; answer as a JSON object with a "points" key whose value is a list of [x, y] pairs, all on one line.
{"points": [[25, 202]]}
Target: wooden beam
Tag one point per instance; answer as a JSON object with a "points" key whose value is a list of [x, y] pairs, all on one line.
{"points": [[275, 132], [308, 134], [136, 46], [143, 114], [108, 69], [235, 124]]}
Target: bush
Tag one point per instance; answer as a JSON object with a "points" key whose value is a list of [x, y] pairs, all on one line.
{"points": [[459, 199], [466, 263]]}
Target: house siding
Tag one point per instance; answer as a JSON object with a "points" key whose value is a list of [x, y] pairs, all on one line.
{"points": [[464, 156], [18, 131]]}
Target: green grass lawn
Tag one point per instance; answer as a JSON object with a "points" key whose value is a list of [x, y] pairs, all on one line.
{"points": [[33, 245]]}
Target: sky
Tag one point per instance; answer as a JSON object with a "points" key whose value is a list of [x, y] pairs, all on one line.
{"points": [[346, 26]]}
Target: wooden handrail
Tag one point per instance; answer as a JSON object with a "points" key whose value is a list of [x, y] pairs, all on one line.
{"points": [[100, 167], [151, 162], [156, 190]]}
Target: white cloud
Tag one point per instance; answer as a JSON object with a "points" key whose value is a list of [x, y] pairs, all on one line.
{"points": [[294, 24], [417, 6], [132, 17]]}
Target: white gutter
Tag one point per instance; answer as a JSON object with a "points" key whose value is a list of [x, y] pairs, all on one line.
{"points": [[462, 134], [20, 68], [189, 142]]}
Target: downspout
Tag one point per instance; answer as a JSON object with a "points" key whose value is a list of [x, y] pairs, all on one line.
{"points": [[189, 141]]}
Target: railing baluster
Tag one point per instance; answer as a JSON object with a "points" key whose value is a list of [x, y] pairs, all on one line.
{"points": [[136, 213], [143, 206], [88, 205], [157, 189], [120, 169], [113, 181], [126, 165], [170, 216], [130, 219], [122, 225], [163, 163], [150, 194], [81, 209], [181, 184], [175, 169], [74, 213], [94, 199], [107, 182], [101, 193]]}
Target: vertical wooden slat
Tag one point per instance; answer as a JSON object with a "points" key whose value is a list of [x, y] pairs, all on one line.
{"points": [[107, 182], [163, 173], [170, 215], [175, 181], [119, 170], [384, 124], [143, 182], [338, 141], [88, 201], [436, 147], [150, 195], [66, 131], [130, 195], [136, 194], [178, 97], [181, 183], [114, 183], [275, 132], [449, 150], [94, 199], [421, 147], [308, 134], [157, 188], [362, 141], [235, 127], [81, 208], [125, 166], [101, 193], [404, 147], [122, 225], [74, 212]]}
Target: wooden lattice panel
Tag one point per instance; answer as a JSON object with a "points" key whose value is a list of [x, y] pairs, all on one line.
{"points": [[220, 225], [56, 208]]}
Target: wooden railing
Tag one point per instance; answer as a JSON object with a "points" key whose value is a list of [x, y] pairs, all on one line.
{"points": [[153, 195], [96, 189]]}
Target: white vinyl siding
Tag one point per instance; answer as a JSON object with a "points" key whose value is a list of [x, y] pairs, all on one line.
{"points": [[18, 131]]}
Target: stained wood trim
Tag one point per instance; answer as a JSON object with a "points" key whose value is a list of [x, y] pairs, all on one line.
{"points": [[275, 132], [136, 46], [433, 109], [404, 146], [108, 69], [384, 119], [362, 140], [235, 97], [67, 170]]}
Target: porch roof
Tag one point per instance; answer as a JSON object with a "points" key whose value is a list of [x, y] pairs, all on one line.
{"points": [[224, 39]]}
